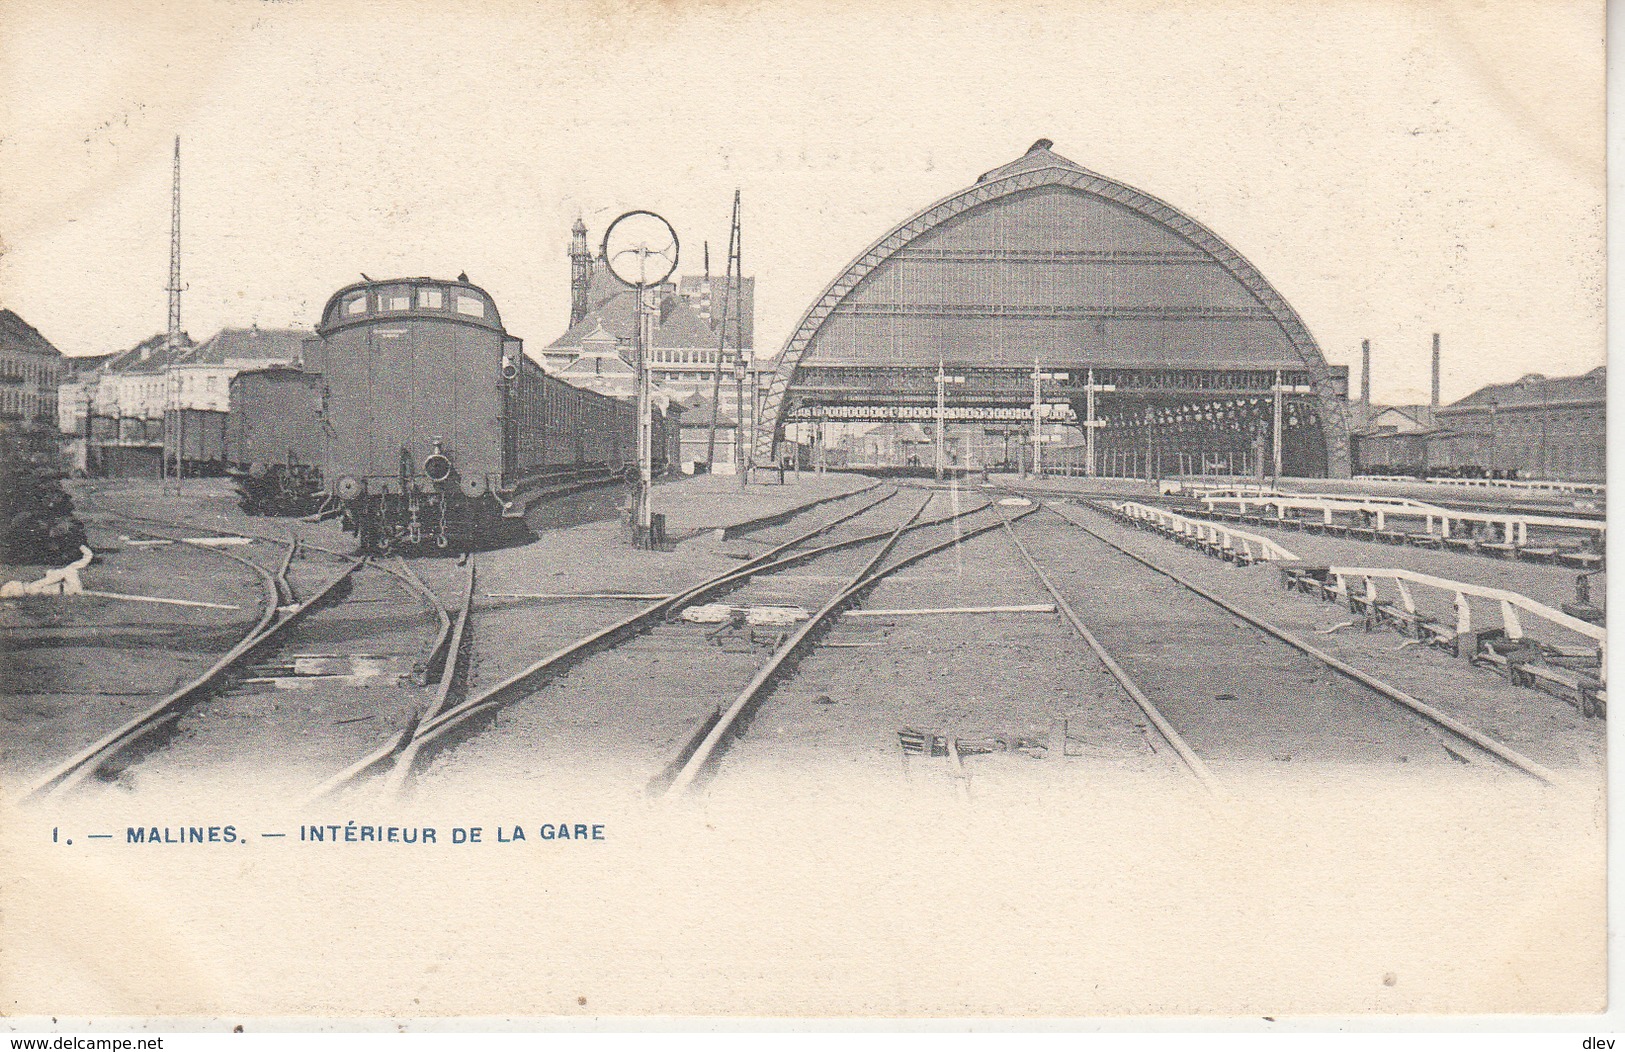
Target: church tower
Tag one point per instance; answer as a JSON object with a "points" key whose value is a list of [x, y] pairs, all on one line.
{"points": [[580, 271]]}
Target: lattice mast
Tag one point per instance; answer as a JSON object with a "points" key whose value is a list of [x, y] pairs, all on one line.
{"points": [[172, 340], [730, 283]]}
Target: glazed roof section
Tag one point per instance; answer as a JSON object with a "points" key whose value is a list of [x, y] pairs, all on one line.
{"points": [[1043, 257]]}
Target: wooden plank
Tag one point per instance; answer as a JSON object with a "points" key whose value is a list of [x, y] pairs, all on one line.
{"points": [[919, 611]]}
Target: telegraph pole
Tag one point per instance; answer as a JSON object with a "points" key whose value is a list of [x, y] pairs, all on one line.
{"points": [[1038, 420], [739, 339], [1275, 426], [942, 413]]}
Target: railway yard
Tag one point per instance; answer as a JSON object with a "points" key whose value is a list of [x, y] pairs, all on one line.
{"points": [[1002, 641], [819, 691]]}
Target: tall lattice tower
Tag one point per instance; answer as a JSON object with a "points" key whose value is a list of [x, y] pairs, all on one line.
{"points": [[174, 338], [580, 271], [173, 435]]}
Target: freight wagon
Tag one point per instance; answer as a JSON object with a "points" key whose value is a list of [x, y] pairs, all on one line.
{"points": [[274, 440]]}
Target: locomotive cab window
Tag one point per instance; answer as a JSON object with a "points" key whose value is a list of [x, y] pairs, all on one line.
{"points": [[355, 303], [432, 299], [394, 299], [470, 304]]}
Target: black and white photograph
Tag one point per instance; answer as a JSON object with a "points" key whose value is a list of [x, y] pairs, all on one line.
{"points": [[577, 513]]}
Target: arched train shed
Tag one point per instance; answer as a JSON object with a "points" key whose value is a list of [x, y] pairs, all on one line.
{"points": [[1042, 266]]}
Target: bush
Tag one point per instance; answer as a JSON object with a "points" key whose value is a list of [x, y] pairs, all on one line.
{"points": [[38, 525]]}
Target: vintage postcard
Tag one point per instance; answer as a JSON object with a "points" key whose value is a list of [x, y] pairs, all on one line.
{"points": [[564, 512]]}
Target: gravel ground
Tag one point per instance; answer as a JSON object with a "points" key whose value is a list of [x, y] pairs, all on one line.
{"points": [[76, 667], [615, 721], [1546, 729], [1357, 893], [996, 679], [709, 502]]}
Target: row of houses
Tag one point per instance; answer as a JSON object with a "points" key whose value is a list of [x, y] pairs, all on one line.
{"points": [[139, 384], [31, 371]]}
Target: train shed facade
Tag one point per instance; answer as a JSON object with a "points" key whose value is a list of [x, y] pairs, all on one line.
{"points": [[1044, 283]]}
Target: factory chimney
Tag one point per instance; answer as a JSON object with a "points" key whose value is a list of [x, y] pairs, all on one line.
{"points": [[580, 271], [1365, 374], [1435, 402]]}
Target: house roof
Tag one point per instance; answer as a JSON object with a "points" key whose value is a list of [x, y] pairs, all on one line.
{"points": [[595, 366], [691, 287], [1419, 416], [279, 345], [156, 351], [89, 363], [1535, 389], [18, 336]]}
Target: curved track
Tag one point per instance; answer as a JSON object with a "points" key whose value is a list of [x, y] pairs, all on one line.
{"points": [[308, 605]]}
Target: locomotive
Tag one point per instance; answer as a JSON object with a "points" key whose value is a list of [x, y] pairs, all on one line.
{"points": [[274, 440], [438, 431]]}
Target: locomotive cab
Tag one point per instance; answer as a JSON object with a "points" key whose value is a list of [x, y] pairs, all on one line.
{"points": [[414, 399], [438, 429]]}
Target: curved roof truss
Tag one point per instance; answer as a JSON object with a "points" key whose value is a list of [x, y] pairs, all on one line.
{"points": [[1041, 168]]}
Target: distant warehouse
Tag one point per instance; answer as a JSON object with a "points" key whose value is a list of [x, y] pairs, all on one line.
{"points": [[1534, 428]]}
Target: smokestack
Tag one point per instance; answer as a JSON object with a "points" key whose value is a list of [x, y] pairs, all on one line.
{"points": [[1365, 373], [1435, 370]]}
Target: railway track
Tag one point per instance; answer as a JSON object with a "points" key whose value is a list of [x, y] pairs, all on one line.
{"points": [[674, 687], [1229, 691], [1220, 698], [330, 623]]}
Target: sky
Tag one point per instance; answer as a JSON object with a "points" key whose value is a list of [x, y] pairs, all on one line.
{"points": [[1393, 167]]}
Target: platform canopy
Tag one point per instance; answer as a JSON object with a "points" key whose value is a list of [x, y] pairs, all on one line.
{"points": [[1044, 267]]}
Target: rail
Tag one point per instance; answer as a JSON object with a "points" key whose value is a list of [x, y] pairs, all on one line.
{"points": [[399, 760], [1252, 546], [1421, 708], [135, 734], [703, 753]]}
